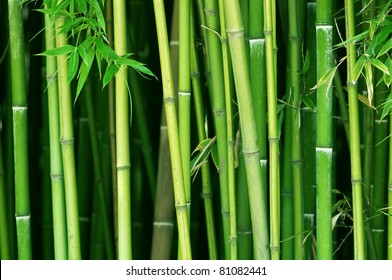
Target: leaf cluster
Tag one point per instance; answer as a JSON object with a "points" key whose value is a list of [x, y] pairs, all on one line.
{"points": [[84, 21]]}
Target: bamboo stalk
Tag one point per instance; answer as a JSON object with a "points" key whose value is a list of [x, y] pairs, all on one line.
{"points": [[5, 253], [295, 45], [324, 141], [389, 242], [273, 136], [20, 127], [217, 97], [228, 88], [205, 169], [56, 167], [67, 149], [248, 127], [355, 153], [171, 117], [123, 161]]}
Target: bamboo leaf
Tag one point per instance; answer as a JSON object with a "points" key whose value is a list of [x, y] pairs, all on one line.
{"points": [[355, 39], [387, 106], [98, 13], [365, 101], [83, 53], [381, 66], [326, 78], [98, 58], [369, 80], [82, 6], [84, 71], [358, 67], [105, 50], [59, 51], [388, 78], [73, 65], [385, 48], [111, 70], [139, 67]]}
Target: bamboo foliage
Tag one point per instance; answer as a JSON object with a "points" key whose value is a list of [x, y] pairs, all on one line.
{"points": [[241, 122]]}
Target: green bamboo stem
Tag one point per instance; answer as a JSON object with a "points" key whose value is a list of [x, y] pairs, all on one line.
{"points": [[171, 117], [19, 117], [244, 222], [258, 85], [295, 48], [184, 97], [67, 149], [324, 141], [56, 167], [342, 104], [84, 177], [205, 169], [217, 97], [355, 152], [273, 137], [5, 253], [111, 120], [98, 176], [309, 117], [378, 221], [248, 127], [228, 88], [123, 161], [164, 211]]}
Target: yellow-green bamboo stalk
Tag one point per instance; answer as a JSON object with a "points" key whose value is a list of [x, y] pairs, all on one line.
{"points": [[258, 208], [273, 136], [67, 149], [171, 117], [123, 161], [355, 152], [56, 167]]}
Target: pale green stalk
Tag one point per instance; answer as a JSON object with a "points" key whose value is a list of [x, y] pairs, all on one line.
{"points": [[174, 142], [56, 167], [184, 97], [67, 149], [355, 150], [324, 141], [228, 88], [257, 198], [273, 136], [123, 161], [217, 97], [20, 127]]}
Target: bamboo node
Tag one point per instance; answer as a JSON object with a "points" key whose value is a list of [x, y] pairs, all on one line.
{"points": [[297, 161], [56, 176], [22, 217], [263, 162], [163, 224], [225, 213], [19, 108], [390, 188], [184, 93], [236, 33], [195, 75], [123, 167], [273, 140], [356, 181], [211, 12], [169, 99], [206, 195], [69, 141], [181, 206], [219, 112], [52, 77], [244, 232], [248, 154]]}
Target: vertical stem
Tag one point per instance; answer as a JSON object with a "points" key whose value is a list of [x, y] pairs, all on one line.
{"points": [[355, 149], [230, 136], [19, 117], [273, 137], [67, 149], [205, 169], [324, 141], [56, 166], [389, 243], [295, 48], [174, 141], [235, 33], [123, 161], [5, 253]]}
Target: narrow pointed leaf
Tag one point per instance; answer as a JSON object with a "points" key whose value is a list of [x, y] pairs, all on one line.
{"points": [[73, 65]]}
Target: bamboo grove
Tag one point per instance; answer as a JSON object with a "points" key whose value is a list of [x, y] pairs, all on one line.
{"points": [[205, 129]]}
